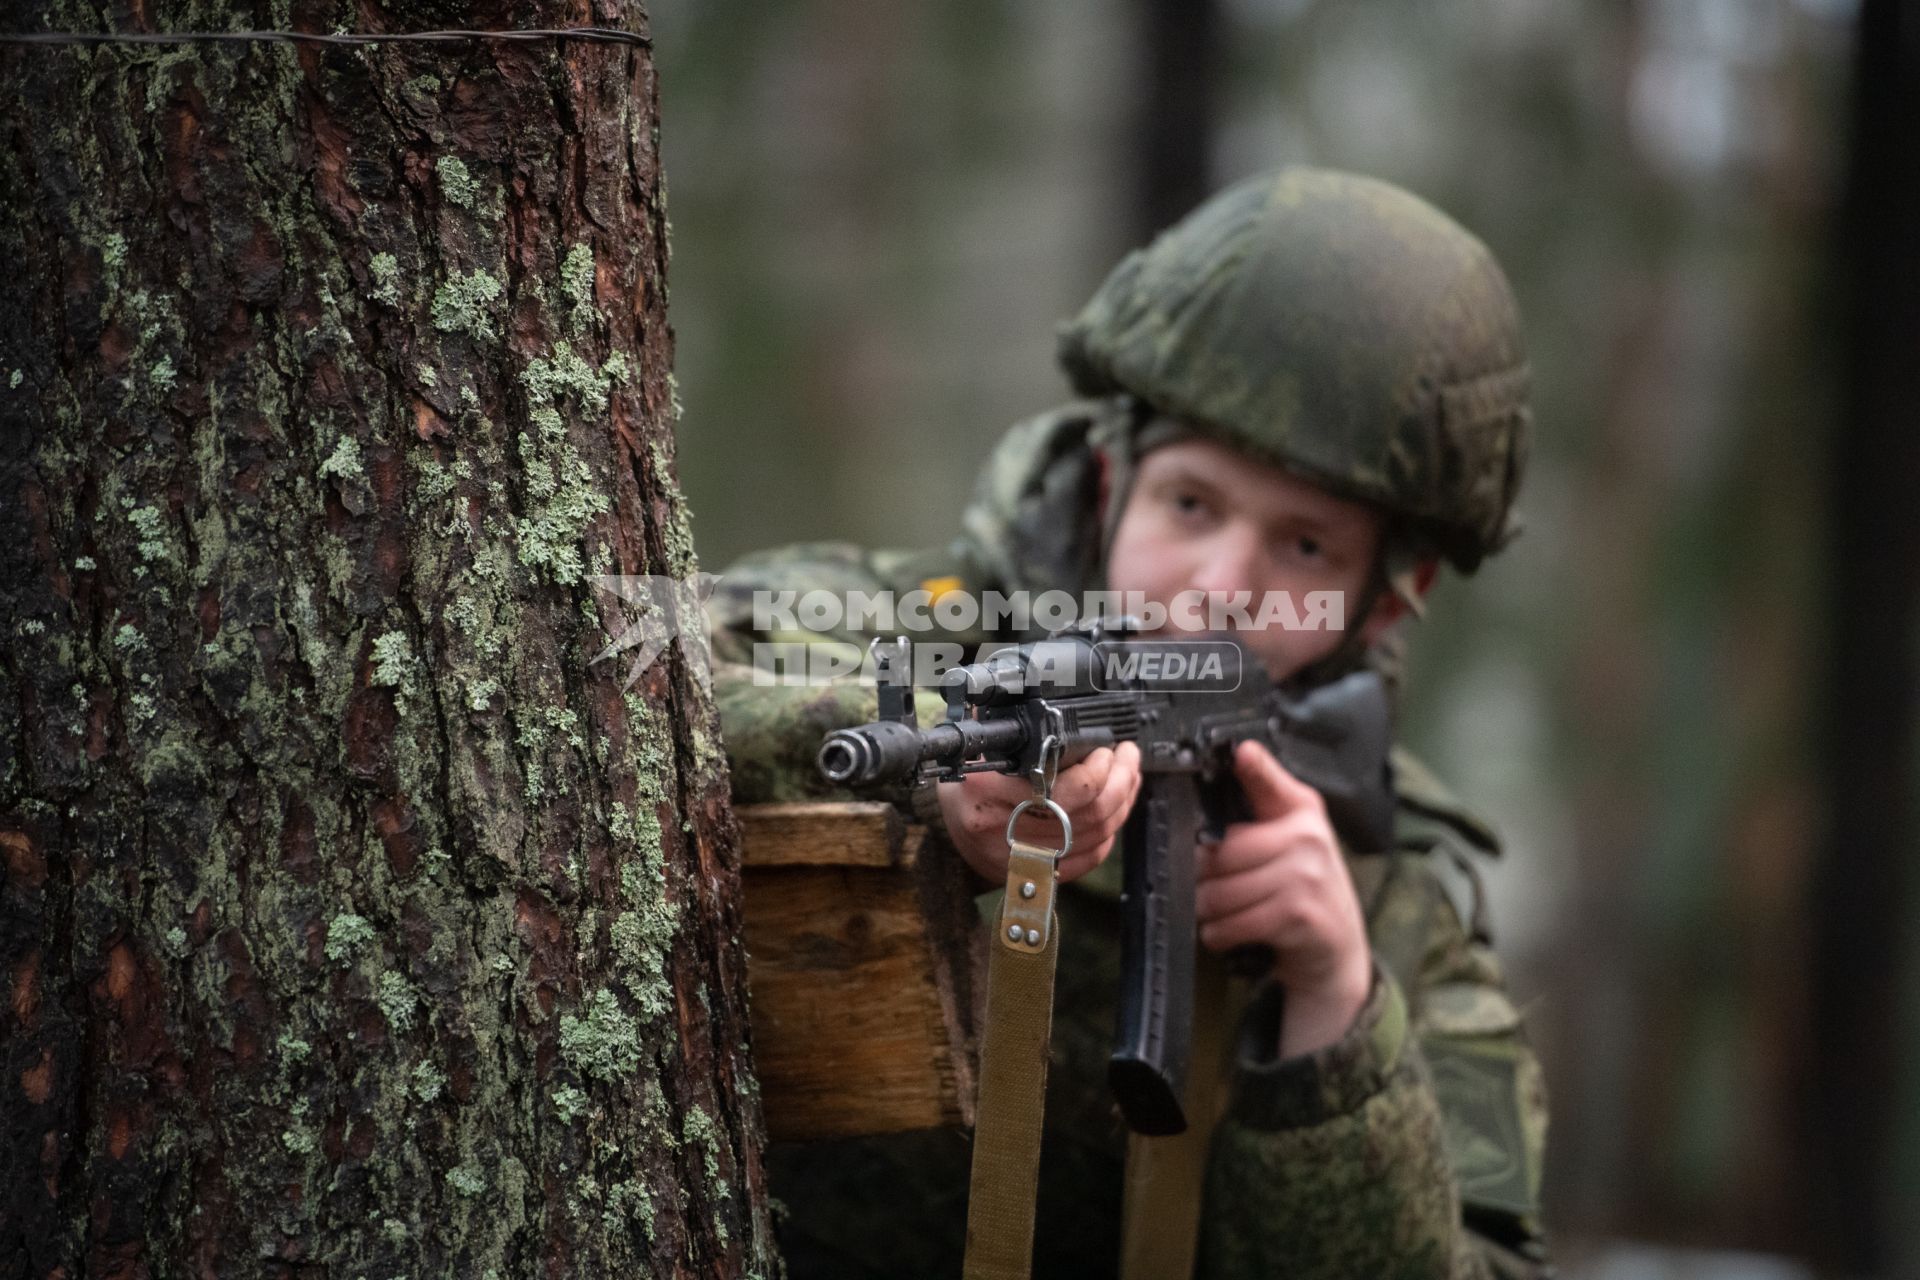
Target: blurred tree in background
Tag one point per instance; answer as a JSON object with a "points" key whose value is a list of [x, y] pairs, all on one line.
{"points": [[1864, 1138], [882, 209]]}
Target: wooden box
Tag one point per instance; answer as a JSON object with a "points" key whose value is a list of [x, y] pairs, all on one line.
{"points": [[865, 960]]}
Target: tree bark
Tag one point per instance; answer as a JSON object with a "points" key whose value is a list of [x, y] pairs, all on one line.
{"points": [[355, 920]]}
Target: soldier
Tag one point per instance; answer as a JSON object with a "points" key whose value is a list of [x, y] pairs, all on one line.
{"points": [[1315, 381]]}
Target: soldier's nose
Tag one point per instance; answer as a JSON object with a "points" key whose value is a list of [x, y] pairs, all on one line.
{"points": [[1228, 568]]}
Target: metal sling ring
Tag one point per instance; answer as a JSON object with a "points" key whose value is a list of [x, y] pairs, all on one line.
{"points": [[1052, 747], [1066, 824]]}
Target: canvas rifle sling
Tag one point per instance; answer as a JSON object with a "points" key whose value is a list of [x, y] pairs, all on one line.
{"points": [[1013, 1062]]}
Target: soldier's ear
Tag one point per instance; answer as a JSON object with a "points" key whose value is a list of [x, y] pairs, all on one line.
{"points": [[1393, 605], [1424, 575]]}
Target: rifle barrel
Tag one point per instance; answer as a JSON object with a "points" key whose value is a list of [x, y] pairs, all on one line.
{"points": [[887, 751]]}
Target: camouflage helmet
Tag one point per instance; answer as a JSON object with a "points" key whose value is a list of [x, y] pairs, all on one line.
{"points": [[1340, 327]]}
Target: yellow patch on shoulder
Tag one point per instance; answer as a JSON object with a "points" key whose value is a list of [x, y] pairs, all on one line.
{"points": [[937, 587]]}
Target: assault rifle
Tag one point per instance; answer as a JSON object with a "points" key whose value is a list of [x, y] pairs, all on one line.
{"points": [[1187, 703]]}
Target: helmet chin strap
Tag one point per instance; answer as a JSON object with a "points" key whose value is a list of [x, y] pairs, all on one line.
{"points": [[1351, 653]]}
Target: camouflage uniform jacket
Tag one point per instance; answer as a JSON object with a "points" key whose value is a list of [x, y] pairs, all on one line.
{"points": [[1410, 1148]]}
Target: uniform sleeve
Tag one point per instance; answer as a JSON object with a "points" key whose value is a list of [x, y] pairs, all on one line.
{"points": [[772, 719], [1408, 1149]]}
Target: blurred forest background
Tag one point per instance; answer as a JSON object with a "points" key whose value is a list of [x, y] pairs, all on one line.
{"points": [[1685, 694]]}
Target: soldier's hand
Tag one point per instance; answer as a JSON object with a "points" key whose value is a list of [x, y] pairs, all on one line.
{"points": [[1280, 880], [1097, 794]]}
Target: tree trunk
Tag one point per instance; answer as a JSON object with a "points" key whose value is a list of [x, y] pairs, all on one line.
{"points": [[1865, 888], [355, 921], [1181, 68]]}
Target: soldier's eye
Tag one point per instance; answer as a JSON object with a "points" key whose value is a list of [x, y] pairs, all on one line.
{"points": [[1189, 504]]}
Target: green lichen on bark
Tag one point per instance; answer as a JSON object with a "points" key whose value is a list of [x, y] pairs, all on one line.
{"points": [[603, 1042], [426, 1080], [466, 304], [563, 496], [392, 660], [385, 270], [643, 934], [344, 461], [697, 1129], [551, 379], [569, 1103], [458, 185], [576, 282], [347, 935], [629, 1201], [397, 1001], [151, 529], [299, 1138], [467, 1179], [678, 534]]}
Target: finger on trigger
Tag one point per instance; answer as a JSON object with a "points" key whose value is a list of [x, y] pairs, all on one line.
{"points": [[1271, 791]]}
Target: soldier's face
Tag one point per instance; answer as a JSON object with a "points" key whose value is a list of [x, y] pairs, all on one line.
{"points": [[1202, 517]]}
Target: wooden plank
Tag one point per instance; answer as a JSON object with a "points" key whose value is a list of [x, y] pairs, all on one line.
{"points": [[847, 1019], [862, 977], [855, 833]]}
